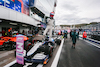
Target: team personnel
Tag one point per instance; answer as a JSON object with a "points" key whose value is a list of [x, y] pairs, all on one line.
{"points": [[74, 37], [65, 34], [78, 35], [9, 32], [71, 34], [84, 35]]}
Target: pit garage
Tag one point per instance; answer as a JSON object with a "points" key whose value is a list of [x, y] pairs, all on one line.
{"points": [[16, 26]]}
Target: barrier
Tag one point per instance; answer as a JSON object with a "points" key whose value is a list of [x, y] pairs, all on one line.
{"points": [[92, 40]]}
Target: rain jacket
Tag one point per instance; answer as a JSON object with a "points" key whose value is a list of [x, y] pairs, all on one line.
{"points": [[74, 37], [84, 34]]}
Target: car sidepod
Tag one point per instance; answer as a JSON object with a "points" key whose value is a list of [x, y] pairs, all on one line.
{"points": [[38, 58]]}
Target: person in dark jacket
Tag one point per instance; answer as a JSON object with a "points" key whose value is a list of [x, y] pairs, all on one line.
{"points": [[71, 34], [65, 35], [78, 35], [3, 32], [74, 37]]}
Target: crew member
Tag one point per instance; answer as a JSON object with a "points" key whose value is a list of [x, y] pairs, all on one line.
{"points": [[84, 35]]}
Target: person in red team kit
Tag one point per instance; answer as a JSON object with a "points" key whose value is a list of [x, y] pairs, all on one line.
{"points": [[84, 35]]}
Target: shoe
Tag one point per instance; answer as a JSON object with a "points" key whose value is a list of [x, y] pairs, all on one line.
{"points": [[74, 47]]}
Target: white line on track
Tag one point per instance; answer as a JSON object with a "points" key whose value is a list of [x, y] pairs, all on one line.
{"points": [[39, 65], [6, 53], [27, 64], [4, 61], [56, 59], [8, 65], [91, 43]]}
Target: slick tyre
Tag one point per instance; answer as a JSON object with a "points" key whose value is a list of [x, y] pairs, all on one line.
{"points": [[27, 46], [58, 41], [15, 53], [48, 51], [51, 52]]}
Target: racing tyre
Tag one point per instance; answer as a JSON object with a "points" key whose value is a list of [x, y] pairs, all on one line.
{"points": [[3, 49], [58, 41], [51, 52], [27, 46], [48, 51], [12, 45], [15, 53]]}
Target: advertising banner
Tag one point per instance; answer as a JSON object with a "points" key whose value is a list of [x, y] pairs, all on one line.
{"points": [[17, 5], [20, 49], [26, 7], [2, 2]]}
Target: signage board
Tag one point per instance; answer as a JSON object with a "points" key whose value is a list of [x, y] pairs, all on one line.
{"points": [[20, 49], [17, 5]]}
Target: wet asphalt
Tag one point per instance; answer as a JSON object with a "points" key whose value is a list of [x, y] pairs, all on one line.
{"points": [[84, 55]]}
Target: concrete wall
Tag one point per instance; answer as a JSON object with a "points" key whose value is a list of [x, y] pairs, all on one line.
{"points": [[9, 14]]}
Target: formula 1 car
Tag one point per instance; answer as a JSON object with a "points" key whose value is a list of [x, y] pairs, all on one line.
{"points": [[41, 51], [10, 42], [1, 37]]}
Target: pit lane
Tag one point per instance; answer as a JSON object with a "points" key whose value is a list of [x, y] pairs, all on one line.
{"points": [[4, 60], [6, 57], [39, 65], [10, 58]]}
